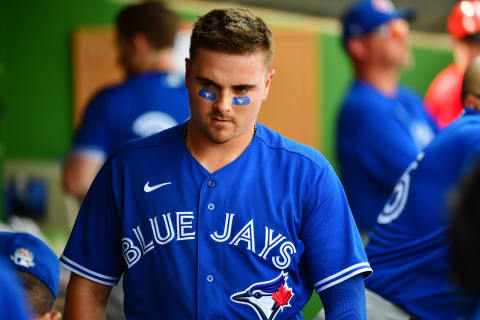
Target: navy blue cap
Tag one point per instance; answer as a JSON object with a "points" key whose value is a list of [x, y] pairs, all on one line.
{"points": [[31, 255], [365, 16]]}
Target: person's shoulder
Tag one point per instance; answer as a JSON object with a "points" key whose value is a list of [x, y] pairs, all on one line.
{"points": [[468, 125], [279, 144], [405, 91], [163, 139], [360, 98], [158, 79], [104, 95], [460, 134]]}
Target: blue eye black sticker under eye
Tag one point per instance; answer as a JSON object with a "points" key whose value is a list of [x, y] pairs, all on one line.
{"points": [[240, 101], [207, 94]]}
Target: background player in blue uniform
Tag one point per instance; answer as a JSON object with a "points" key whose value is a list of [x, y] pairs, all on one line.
{"points": [[38, 270], [219, 217], [150, 100], [382, 125], [408, 248]]}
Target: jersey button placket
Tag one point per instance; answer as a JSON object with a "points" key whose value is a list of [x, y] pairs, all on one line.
{"points": [[212, 183], [208, 291]]}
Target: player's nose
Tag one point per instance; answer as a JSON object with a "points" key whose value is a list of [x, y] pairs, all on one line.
{"points": [[223, 103]]}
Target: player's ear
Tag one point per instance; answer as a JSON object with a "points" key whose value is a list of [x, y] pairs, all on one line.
{"points": [[268, 82], [356, 48], [140, 42]]}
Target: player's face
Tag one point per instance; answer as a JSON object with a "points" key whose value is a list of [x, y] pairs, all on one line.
{"points": [[388, 45], [226, 91]]}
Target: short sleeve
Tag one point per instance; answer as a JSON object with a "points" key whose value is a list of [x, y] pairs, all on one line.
{"points": [[94, 250], [333, 248], [91, 136]]}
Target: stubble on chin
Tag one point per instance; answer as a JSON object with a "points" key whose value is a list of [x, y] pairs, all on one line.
{"points": [[219, 135]]}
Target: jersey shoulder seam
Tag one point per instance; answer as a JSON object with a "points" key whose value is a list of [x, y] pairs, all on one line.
{"points": [[298, 153]]}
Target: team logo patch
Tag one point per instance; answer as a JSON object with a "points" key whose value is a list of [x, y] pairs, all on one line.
{"points": [[240, 101], [23, 257], [266, 298]]}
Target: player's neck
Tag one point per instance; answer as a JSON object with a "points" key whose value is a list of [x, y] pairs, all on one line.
{"points": [[160, 60], [385, 81], [214, 156]]}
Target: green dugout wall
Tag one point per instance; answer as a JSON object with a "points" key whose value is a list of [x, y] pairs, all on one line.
{"points": [[36, 73]]}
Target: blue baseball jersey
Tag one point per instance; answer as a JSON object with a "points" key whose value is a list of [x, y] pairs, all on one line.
{"points": [[142, 105], [408, 247], [378, 137], [13, 304], [249, 241]]}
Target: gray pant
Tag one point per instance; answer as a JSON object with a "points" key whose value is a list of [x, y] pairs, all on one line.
{"points": [[379, 308]]}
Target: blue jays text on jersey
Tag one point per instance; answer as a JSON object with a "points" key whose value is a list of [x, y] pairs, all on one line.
{"points": [[378, 137], [134, 249], [142, 105], [408, 247], [250, 240]]}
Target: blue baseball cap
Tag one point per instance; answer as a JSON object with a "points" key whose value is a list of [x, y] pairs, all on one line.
{"points": [[30, 254], [365, 16]]}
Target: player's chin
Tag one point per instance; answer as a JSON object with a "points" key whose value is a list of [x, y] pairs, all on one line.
{"points": [[220, 135], [220, 139]]}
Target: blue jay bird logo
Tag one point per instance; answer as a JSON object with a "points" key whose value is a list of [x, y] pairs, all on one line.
{"points": [[240, 101], [266, 298]]}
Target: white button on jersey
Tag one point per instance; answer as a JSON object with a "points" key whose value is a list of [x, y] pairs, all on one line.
{"points": [[211, 206], [211, 184], [210, 278]]}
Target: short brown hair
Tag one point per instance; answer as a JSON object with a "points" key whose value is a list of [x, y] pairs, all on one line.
{"points": [[151, 18], [235, 31], [39, 295]]}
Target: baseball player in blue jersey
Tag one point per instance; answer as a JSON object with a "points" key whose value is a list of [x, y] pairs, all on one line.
{"points": [[382, 125], [219, 217], [408, 248], [151, 99]]}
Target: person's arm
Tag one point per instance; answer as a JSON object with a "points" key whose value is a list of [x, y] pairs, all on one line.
{"points": [[85, 299], [78, 174], [90, 148], [345, 300]]}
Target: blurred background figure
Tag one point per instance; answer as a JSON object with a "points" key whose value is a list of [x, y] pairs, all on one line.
{"points": [[408, 247], [38, 269], [382, 124], [12, 304], [443, 98], [150, 100], [465, 235]]}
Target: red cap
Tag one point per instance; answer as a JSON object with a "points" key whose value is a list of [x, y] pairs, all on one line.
{"points": [[464, 19]]}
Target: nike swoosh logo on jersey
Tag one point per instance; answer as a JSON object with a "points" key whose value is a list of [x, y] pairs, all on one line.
{"points": [[148, 188]]}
